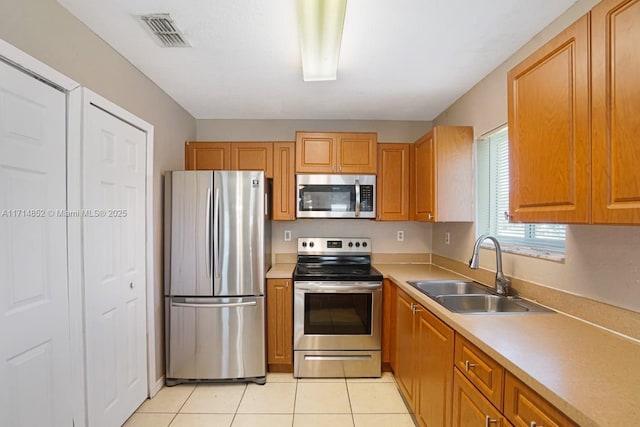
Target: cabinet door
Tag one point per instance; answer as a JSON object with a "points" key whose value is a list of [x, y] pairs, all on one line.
{"points": [[549, 131], [424, 180], [434, 366], [279, 325], [252, 156], [404, 367], [284, 181], [315, 152], [616, 112], [207, 156], [393, 182], [470, 408], [453, 170], [357, 153]]}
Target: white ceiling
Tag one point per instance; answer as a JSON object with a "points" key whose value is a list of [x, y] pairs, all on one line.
{"points": [[400, 59]]}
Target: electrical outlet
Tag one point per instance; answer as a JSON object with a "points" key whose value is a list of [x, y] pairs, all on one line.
{"points": [[287, 235], [400, 236], [447, 238]]}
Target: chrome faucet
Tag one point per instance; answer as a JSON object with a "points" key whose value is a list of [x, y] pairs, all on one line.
{"points": [[503, 285]]}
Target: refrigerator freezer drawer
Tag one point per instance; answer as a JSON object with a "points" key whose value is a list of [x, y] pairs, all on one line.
{"points": [[215, 338]]}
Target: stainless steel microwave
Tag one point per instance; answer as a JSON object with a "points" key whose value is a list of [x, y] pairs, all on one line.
{"points": [[336, 196]]}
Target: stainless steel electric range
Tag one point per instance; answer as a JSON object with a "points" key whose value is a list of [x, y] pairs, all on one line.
{"points": [[337, 309]]}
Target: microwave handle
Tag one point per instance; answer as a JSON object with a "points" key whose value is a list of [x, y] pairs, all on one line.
{"points": [[357, 198]]}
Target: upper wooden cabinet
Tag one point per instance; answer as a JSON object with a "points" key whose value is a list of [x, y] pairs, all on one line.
{"points": [[252, 156], [615, 112], [549, 131], [574, 120], [442, 175], [393, 182], [284, 182], [205, 155], [336, 152]]}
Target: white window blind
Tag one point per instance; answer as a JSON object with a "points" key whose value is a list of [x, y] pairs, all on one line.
{"points": [[493, 199]]}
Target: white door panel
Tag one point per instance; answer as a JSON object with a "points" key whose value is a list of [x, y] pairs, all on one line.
{"points": [[34, 315], [114, 189]]}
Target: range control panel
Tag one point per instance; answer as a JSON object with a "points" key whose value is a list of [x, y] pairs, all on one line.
{"points": [[331, 245]]}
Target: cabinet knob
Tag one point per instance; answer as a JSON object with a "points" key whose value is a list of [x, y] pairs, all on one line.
{"points": [[132, 285], [533, 424], [430, 216], [507, 216], [488, 420], [468, 365]]}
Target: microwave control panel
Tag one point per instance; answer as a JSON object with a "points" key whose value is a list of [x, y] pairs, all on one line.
{"points": [[366, 198]]}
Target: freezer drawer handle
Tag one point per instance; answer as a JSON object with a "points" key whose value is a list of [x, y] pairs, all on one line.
{"points": [[223, 305]]}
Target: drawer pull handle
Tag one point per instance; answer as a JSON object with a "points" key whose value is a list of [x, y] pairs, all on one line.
{"points": [[468, 365], [488, 420]]}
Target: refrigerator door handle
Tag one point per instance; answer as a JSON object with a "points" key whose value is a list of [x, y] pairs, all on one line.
{"points": [[221, 305], [216, 234], [208, 232]]}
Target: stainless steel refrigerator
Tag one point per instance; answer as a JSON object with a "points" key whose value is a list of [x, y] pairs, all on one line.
{"points": [[217, 244]]}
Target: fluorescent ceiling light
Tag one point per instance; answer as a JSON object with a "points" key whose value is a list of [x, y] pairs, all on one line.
{"points": [[320, 24]]}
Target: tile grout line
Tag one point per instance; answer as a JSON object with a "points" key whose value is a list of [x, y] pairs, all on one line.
{"points": [[235, 414]]}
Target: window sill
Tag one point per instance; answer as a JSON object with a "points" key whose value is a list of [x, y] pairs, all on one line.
{"points": [[546, 254]]}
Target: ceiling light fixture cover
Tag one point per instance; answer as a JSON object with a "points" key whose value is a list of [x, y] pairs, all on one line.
{"points": [[320, 24]]}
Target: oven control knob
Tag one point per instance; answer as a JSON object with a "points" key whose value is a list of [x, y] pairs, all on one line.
{"points": [[350, 244], [310, 244], [304, 244], [357, 244], [364, 244]]}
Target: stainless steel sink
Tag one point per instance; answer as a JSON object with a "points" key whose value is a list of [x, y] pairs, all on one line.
{"points": [[476, 304], [433, 288]]}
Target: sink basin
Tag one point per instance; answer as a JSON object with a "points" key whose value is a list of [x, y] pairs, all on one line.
{"points": [[433, 288], [475, 304]]}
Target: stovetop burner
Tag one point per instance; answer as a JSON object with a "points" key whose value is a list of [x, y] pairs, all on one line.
{"points": [[335, 259]]}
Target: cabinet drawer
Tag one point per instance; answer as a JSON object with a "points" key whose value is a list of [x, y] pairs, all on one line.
{"points": [[525, 408], [484, 372]]}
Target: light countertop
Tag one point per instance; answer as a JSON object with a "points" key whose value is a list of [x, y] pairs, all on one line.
{"points": [[281, 271], [590, 374]]}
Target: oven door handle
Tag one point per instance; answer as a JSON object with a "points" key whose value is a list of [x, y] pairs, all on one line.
{"points": [[335, 288]]}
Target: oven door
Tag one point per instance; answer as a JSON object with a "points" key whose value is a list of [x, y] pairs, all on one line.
{"points": [[337, 315]]}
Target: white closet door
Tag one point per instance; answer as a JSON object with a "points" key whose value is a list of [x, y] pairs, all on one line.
{"points": [[34, 315], [114, 260]]}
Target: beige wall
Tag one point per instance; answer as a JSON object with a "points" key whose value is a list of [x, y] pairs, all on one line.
{"points": [[602, 262], [417, 235], [285, 130], [46, 31]]}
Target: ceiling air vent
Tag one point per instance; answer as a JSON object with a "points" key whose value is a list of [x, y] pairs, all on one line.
{"points": [[161, 25]]}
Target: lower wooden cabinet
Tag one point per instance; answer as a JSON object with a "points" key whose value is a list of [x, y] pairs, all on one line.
{"points": [[449, 382], [388, 325], [483, 372], [471, 408], [424, 360], [433, 370], [525, 408], [279, 325]]}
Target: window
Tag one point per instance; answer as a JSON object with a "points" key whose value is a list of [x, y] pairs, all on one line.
{"points": [[493, 200]]}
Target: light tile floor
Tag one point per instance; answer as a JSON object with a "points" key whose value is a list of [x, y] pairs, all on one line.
{"points": [[283, 401]]}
